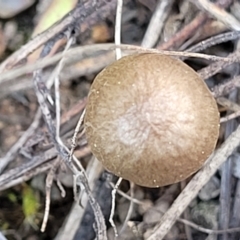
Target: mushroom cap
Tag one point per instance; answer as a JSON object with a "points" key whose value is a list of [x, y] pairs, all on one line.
{"points": [[151, 119]]}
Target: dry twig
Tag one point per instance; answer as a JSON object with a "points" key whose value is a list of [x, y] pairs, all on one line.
{"points": [[157, 22], [219, 13], [85, 14]]}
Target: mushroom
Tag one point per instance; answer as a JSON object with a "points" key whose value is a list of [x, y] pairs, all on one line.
{"points": [[151, 119]]}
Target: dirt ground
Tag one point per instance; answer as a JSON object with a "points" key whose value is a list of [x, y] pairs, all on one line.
{"points": [[34, 172]]}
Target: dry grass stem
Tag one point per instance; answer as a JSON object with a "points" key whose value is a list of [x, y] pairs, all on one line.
{"points": [[219, 13], [156, 23]]}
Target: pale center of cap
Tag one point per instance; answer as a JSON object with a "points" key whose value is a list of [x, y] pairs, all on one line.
{"points": [[131, 128]]}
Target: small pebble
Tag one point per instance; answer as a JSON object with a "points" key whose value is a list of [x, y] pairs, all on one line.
{"points": [[10, 8], [210, 190], [206, 214]]}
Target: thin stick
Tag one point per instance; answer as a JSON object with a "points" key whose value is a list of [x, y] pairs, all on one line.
{"points": [[49, 181], [79, 53], [230, 117], [113, 206], [156, 23], [219, 13], [57, 91], [212, 41], [61, 188], [206, 230], [118, 56], [185, 32], [123, 194], [76, 131], [51, 174], [215, 67], [118, 28], [226, 87], [130, 209]]}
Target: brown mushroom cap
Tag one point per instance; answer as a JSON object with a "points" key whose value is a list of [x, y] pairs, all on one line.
{"points": [[151, 119]]}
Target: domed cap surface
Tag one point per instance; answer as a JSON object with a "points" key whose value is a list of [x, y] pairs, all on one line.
{"points": [[151, 119]]}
